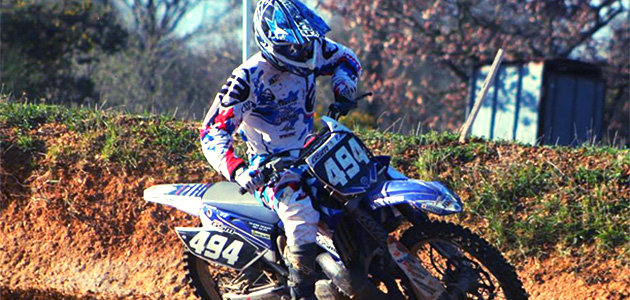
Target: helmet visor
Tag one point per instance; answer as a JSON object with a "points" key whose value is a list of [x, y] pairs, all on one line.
{"points": [[295, 52]]}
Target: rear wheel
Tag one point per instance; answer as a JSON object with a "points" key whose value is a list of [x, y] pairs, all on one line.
{"points": [[467, 265], [212, 282], [200, 278]]}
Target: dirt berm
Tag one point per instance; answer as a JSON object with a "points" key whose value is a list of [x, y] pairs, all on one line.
{"points": [[73, 224]]}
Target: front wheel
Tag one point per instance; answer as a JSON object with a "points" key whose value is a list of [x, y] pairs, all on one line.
{"points": [[467, 265]]}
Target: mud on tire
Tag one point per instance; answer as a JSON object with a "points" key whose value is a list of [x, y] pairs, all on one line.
{"points": [[475, 248], [211, 281], [200, 278]]}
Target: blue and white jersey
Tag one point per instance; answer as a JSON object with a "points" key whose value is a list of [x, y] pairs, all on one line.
{"points": [[272, 110]]}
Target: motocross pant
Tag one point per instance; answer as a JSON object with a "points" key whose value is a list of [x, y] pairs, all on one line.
{"points": [[294, 207]]}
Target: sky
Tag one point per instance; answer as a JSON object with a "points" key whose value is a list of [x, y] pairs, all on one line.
{"points": [[209, 9]]}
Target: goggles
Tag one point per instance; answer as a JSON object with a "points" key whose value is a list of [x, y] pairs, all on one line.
{"points": [[295, 52]]}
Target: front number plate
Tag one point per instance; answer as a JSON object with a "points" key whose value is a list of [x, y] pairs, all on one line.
{"points": [[344, 164]]}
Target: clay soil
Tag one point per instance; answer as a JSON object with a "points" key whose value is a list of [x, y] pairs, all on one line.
{"points": [[80, 230]]}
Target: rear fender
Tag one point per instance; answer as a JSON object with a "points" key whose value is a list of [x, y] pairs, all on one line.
{"points": [[429, 196], [186, 197]]}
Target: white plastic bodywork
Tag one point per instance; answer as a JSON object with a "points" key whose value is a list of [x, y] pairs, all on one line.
{"points": [[186, 197]]}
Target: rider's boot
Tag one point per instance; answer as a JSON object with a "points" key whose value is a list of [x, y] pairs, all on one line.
{"points": [[302, 271]]}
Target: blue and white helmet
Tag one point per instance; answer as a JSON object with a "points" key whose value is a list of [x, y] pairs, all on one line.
{"points": [[288, 33]]}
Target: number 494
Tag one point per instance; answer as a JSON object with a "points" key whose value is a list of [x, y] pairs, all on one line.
{"points": [[214, 247]]}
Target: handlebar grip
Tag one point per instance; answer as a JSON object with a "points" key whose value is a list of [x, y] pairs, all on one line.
{"points": [[242, 191]]}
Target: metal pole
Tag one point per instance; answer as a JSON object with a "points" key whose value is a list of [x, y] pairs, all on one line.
{"points": [[247, 28], [484, 90]]}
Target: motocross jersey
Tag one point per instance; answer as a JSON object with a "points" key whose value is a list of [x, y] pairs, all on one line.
{"points": [[272, 110]]}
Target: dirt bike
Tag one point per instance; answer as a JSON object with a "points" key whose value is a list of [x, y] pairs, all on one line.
{"points": [[377, 240]]}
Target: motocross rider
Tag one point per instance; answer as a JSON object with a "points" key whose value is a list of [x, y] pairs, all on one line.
{"points": [[269, 102]]}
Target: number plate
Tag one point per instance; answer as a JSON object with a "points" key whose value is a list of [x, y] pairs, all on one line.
{"points": [[344, 164], [221, 247]]}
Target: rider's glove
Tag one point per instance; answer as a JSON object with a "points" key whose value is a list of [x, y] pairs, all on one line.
{"points": [[248, 179], [342, 105]]}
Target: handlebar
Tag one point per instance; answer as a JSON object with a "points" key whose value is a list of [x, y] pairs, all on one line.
{"points": [[272, 168], [334, 108]]}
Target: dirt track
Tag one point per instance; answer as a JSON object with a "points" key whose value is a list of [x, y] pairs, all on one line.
{"points": [[44, 256], [80, 230]]}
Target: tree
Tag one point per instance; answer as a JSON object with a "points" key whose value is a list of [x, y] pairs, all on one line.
{"points": [[48, 46], [154, 23], [418, 54], [161, 71], [617, 76]]}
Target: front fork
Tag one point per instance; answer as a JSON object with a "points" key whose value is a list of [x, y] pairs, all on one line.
{"points": [[453, 255], [423, 283]]}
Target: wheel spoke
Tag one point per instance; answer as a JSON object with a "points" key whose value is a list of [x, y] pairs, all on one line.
{"points": [[467, 266]]}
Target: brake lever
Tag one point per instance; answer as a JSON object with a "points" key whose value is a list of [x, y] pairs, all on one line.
{"points": [[368, 94], [334, 114]]}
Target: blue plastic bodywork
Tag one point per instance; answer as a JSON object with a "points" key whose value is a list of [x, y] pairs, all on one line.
{"points": [[428, 196], [256, 231]]}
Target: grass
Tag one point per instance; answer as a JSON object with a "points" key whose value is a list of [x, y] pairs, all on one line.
{"points": [[110, 136], [528, 201]]}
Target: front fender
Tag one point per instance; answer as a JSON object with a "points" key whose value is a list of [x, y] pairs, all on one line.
{"points": [[430, 196]]}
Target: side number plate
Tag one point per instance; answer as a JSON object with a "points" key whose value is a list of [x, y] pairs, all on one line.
{"points": [[221, 247]]}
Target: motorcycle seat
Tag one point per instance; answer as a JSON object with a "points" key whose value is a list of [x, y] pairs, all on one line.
{"points": [[226, 196]]}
